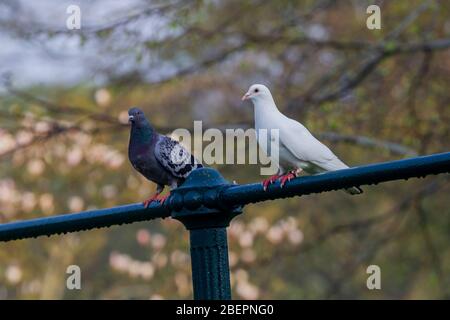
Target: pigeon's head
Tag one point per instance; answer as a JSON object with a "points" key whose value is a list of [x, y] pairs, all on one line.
{"points": [[137, 117], [257, 92]]}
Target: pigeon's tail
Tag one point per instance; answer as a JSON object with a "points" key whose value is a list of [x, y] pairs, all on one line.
{"points": [[354, 190]]}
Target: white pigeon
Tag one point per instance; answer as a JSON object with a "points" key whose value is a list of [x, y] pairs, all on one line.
{"points": [[298, 149]]}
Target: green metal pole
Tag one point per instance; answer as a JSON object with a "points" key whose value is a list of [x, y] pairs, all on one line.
{"points": [[210, 268], [207, 223]]}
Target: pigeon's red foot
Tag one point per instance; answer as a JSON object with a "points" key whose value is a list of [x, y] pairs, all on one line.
{"points": [[156, 197], [267, 182], [163, 199], [147, 202], [287, 177]]}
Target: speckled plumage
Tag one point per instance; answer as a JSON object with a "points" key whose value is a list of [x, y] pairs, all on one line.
{"points": [[157, 157]]}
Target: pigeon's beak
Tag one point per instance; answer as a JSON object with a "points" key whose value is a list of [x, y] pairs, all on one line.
{"points": [[130, 118], [246, 96]]}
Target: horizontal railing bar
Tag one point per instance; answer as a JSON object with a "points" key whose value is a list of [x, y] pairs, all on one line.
{"points": [[340, 179], [232, 196], [80, 221]]}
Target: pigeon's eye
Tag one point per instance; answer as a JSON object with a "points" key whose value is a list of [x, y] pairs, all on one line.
{"points": [[256, 90]]}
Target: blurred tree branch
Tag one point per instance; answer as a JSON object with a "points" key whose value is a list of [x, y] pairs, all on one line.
{"points": [[113, 123]]}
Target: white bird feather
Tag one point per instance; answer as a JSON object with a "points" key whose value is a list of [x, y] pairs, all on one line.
{"points": [[298, 148]]}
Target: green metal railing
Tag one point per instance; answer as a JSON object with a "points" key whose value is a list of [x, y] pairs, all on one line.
{"points": [[206, 203]]}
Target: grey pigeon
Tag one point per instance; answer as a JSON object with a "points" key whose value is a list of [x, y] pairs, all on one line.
{"points": [[157, 157], [298, 148]]}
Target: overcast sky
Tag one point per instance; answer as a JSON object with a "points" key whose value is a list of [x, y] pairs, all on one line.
{"points": [[61, 60]]}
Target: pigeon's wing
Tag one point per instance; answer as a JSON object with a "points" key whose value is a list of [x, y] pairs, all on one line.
{"points": [[304, 146], [174, 157]]}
